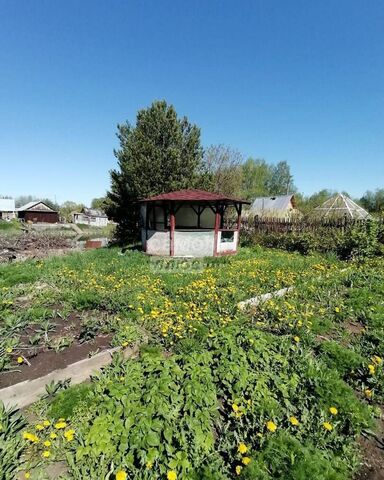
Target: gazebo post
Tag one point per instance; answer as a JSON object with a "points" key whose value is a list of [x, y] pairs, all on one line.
{"points": [[238, 210], [217, 226], [171, 231]]}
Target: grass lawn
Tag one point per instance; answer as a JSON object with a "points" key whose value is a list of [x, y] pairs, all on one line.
{"points": [[278, 392]]}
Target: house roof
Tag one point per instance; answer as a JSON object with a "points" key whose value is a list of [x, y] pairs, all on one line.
{"points": [[341, 206], [30, 205], [277, 203], [7, 205], [94, 212], [192, 195]]}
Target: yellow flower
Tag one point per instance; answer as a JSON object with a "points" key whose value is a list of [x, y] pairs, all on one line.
{"points": [[337, 309], [296, 339], [333, 410], [121, 475], [124, 344], [171, 475], [69, 434], [39, 427], [46, 454], [271, 426], [31, 437], [368, 393], [327, 426], [46, 423], [235, 407], [246, 460], [294, 421], [47, 443], [60, 425], [9, 350], [27, 475], [149, 465], [371, 369], [238, 469], [242, 448], [53, 435], [20, 359]]}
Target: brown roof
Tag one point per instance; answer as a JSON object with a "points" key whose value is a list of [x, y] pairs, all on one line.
{"points": [[193, 195]]}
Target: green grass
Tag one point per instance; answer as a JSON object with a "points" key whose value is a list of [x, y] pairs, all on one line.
{"points": [[212, 376]]}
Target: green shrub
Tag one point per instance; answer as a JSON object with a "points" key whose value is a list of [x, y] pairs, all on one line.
{"points": [[11, 444]]}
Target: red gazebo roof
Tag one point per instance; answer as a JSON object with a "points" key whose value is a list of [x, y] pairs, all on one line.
{"points": [[193, 195]]}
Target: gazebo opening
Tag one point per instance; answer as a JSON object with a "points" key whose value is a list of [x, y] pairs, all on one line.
{"points": [[190, 223]]}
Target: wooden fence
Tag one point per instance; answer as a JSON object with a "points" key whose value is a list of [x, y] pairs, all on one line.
{"points": [[282, 225]]}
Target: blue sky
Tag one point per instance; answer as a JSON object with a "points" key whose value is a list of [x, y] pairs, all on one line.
{"points": [[301, 81]]}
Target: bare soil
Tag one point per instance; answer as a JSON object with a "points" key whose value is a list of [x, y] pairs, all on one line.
{"points": [[44, 360], [372, 449]]}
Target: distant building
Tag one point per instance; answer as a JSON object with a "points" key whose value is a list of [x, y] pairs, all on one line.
{"points": [[37, 212], [281, 206], [7, 209], [91, 216]]}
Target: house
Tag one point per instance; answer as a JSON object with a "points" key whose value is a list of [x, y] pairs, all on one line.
{"points": [[7, 209], [281, 206], [37, 212], [341, 206], [190, 223], [91, 216]]}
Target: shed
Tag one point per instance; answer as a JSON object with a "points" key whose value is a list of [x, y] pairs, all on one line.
{"points": [[91, 216], [281, 206], [341, 206], [190, 223], [37, 212], [7, 209]]}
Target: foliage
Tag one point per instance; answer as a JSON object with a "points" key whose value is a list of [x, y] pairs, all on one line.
{"points": [[256, 175], [280, 378], [67, 208], [99, 203], [11, 445], [162, 152], [223, 168], [281, 180], [373, 201]]}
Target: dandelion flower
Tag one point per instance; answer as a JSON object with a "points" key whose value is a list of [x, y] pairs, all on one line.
{"points": [[47, 443], [46, 454], [271, 426], [53, 435], [377, 360], [20, 360], [60, 425], [246, 460], [235, 407], [121, 475], [149, 465], [294, 421], [333, 410], [171, 475], [46, 423], [39, 427], [238, 469], [9, 350], [296, 339], [327, 426], [371, 369], [368, 393], [27, 475], [337, 309], [242, 448]]}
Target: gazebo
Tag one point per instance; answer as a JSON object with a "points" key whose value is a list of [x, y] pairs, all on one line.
{"points": [[190, 223]]}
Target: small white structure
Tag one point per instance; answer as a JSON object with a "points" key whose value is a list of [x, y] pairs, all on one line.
{"points": [[341, 206], [190, 223], [281, 206], [91, 216], [7, 209]]}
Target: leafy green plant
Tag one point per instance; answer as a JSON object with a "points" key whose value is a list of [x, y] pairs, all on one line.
{"points": [[11, 445]]}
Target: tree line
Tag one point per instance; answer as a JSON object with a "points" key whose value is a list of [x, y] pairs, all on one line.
{"points": [[163, 152]]}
